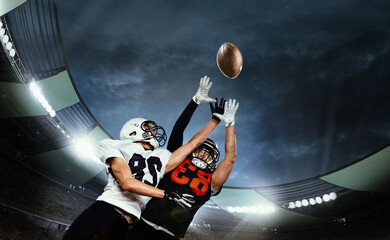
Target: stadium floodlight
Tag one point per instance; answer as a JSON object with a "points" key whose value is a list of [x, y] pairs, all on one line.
{"points": [[36, 91], [12, 52], [298, 204], [49, 108], [270, 209], [291, 205], [2, 32], [318, 200], [312, 201], [264, 209], [45, 103], [53, 114], [5, 38], [305, 202], [8, 46], [84, 149], [261, 209], [253, 209], [41, 98], [239, 209], [34, 88], [245, 209], [333, 196], [326, 198]]}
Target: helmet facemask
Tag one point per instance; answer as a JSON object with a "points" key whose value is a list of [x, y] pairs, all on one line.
{"points": [[153, 134], [206, 155]]}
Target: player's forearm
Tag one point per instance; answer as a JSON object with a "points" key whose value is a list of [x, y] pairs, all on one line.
{"points": [[181, 153], [176, 137], [204, 133], [230, 144], [223, 170], [138, 187]]}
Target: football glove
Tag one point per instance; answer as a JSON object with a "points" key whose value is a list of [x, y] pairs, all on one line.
{"points": [[229, 113], [218, 108], [201, 95], [184, 200]]}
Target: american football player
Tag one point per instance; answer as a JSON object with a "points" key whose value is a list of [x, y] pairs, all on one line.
{"points": [[135, 164], [196, 175]]}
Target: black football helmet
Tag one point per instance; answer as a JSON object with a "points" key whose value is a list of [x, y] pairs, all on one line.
{"points": [[206, 155]]}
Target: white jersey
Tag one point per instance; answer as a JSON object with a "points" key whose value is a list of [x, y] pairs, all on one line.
{"points": [[146, 166]]}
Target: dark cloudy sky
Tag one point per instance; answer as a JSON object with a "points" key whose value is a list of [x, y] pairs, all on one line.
{"points": [[313, 92]]}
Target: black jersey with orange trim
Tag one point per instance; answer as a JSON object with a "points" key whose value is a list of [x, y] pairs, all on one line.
{"points": [[186, 178]]}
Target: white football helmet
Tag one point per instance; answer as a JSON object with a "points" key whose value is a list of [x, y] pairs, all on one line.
{"points": [[206, 155], [145, 131]]}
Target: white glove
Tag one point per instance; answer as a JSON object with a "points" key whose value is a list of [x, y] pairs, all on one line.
{"points": [[184, 200], [201, 96], [229, 112]]}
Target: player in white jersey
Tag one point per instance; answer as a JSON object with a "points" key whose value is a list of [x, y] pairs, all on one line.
{"points": [[135, 164], [146, 166]]}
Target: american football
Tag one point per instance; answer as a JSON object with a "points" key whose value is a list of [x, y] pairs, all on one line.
{"points": [[229, 60]]}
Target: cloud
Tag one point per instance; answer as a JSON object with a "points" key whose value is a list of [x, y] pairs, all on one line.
{"points": [[312, 91]]}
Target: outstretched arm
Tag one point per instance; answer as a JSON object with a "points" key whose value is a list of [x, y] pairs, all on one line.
{"points": [[176, 138], [181, 153], [223, 170], [201, 96]]}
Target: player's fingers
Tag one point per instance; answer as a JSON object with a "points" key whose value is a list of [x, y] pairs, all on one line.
{"points": [[201, 81], [186, 204], [189, 198], [211, 107], [229, 103], [222, 103], [209, 85], [206, 80], [210, 100]]}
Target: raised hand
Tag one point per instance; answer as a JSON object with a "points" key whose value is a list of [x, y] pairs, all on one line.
{"points": [[218, 108], [184, 200], [230, 110], [201, 95]]}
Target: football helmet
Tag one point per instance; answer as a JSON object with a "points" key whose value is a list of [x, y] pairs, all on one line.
{"points": [[206, 155], [145, 131]]}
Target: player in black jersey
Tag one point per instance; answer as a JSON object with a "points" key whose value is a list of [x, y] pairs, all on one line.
{"points": [[197, 175]]}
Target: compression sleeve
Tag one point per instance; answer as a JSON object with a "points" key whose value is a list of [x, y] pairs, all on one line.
{"points": [[176, 139]]}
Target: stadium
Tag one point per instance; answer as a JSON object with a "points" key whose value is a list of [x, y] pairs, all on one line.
{"points": [[50, 170]]}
